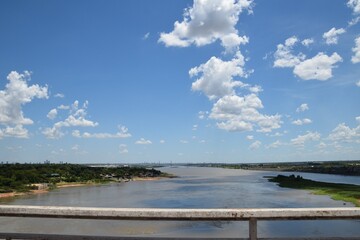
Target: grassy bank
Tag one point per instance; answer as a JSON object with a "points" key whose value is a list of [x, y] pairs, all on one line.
{"points": [[337, 191]]}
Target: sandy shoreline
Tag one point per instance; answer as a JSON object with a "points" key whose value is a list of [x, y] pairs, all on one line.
{"points": [[73, 184], [16, 194]]}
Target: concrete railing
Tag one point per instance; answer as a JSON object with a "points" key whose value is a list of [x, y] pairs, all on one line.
{"points": [[251, 215]]}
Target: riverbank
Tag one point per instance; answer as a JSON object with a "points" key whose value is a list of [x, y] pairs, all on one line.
{"points": [[23, 179], [60, 185], [346, 168], [337, 191]]}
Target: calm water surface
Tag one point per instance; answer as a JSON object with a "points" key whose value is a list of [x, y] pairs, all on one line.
{"points": [[194, 188]]}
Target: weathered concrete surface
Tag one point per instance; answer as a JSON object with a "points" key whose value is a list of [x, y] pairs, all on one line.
{"points": [[179, 214]]}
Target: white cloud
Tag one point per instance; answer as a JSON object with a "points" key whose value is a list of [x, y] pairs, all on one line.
{"points": [[321, 145], [146, 36], [355, 5], [52, 114], [300, 140], [203, 114], [235, 113], [249, 137], [123, 149], [217, 76], [53, 132], [75, 147], [255, 145], [162, 141], [143, 141], [317, 68], [332, 36], [255, 89], [122, 133], [76, 118], [275, 144], [184, 141], [343, 133], [59, 95], [354, 21], [284, 56], [207, 21], [300, 122], [63, 107], [307, 42], [17, 131], [195, 126], [303, 107], [356, 50], [358, 83], [17, 93]]}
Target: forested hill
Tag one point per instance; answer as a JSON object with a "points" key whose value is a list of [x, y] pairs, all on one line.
{"points": [[19, 177]]}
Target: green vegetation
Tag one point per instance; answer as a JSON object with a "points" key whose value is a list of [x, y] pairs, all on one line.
{"points": [[21, 177], [349, 168], [337, 191]]}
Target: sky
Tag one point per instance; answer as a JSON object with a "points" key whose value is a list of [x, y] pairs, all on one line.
{"points": [[233, 81]]}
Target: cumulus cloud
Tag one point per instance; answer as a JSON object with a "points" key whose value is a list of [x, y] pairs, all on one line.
{"points": [[206, 22], [317, 68], [354, 21], [300, 140], [284, 56], [17, 93], [303, 107], [249, 137], [52, 114], [332, 36], [300, 122], [358, 83], [63, 107], [356, 50], [343, 133], [203, 114], [255, 145], [235, 113], [275, 144], [217, 76], [75, 147], [307, 42], [53, 132], [354, 5], [122, 133], [17, 131], [123, 149], [59, 95], [76, 118], [143, 141]]}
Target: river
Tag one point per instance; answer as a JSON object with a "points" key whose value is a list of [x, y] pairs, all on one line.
{"points": [[194, 188]]}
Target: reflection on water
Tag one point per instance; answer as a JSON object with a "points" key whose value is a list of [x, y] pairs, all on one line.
{"points": [[195, 188]]}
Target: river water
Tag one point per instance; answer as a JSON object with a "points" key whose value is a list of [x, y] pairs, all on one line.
{"points": [[194, 188]]}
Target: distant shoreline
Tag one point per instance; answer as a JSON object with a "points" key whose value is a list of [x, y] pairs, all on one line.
{"points": [[345, 168], [337, 191], [75, 184]]}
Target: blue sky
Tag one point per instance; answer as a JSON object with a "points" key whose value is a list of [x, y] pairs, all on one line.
{"points": [[181, 81]]}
